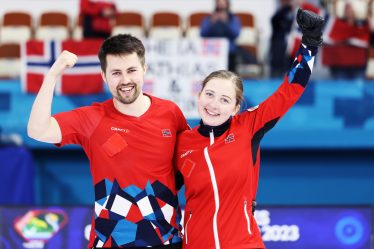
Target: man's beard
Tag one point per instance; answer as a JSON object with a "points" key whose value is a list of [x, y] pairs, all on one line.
{"points": [[127, 99]]}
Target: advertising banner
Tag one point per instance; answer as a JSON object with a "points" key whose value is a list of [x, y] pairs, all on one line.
{"points": [[281, 227], [45, 228], [177, 67], [315, 227]]}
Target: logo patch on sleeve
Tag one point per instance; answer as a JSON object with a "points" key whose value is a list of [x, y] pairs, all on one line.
{"points": [[166, 133]]}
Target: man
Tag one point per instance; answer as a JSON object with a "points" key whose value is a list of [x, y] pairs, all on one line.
{"points": [[281, 23], [129, 141]]}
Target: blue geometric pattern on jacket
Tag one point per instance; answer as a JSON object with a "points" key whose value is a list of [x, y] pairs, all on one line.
{"points": [[302, 66], [135, 217]]}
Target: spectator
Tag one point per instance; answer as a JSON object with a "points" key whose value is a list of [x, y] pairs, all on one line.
{"points": [[294, 38], [286, 35], [98, 17], [223, 23], [347, 41], [281, 23]]}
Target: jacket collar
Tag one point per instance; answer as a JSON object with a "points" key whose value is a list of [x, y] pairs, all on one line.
{"points": [[218, 130]]}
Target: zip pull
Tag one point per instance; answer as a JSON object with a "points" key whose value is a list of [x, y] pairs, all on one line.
{"points": [[247, 217], [185, 229], [211, 136]]}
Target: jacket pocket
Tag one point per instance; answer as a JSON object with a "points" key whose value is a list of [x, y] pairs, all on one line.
{"points": [[187, 167], [247, 217], [115, 144], [186, 227]]}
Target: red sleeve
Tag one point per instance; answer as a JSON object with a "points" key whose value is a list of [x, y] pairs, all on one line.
{"points": [[273, 108], [77, 125], [262, 118]]}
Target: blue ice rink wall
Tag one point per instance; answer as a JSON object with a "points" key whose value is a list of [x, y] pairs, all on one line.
{"points": [[321, 152], [330, 114], [281, 227]]}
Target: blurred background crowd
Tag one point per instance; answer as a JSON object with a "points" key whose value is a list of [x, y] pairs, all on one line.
{"points": [[262, 40]]}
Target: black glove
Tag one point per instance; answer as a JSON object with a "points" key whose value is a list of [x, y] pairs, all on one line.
{"points": [[311, 26]]}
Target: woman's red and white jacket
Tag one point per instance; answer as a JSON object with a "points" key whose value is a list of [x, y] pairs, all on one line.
{"points": [[220, 166]]}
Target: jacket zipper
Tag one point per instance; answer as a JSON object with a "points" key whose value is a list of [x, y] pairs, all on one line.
{"points": [[185, 232], [215, 192], [247, 218], [211, 138]]}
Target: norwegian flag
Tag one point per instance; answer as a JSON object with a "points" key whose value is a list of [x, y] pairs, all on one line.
{"points": [[166, 133], [339, 31], [346, 44], [230, 138], [83, 78]]}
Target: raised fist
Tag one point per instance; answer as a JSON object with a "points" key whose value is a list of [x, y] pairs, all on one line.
{"points": [[65, 60], [311, 26]]}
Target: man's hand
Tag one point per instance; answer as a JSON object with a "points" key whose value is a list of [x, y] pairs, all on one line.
{"points": [[65, 60], [311, 26]]}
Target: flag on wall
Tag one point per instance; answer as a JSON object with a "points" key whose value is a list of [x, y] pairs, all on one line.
{"points": [[345, 44], [176, 73], [339, 31], [83, 78]]}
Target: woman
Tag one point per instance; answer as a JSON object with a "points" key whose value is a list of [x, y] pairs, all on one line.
{"points": [[219, 159]]}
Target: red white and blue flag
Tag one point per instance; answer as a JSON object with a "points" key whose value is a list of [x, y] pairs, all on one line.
{"points": [[345, 44], [83, 78], [166, 133]]}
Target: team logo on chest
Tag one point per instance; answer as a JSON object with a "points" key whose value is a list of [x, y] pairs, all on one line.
{"points": [[119, 129], [230, 138], [186, 153], [166, 133]]}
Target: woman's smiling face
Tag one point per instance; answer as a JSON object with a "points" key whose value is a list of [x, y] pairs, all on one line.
{"points": [[217, 101]]}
